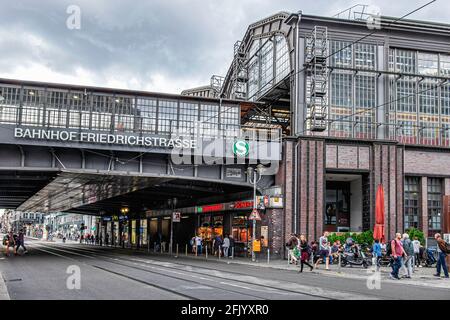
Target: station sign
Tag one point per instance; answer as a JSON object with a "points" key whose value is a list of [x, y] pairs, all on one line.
{"points": [[102, 138]]}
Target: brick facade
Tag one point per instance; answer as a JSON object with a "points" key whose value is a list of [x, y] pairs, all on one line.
{"points": [[307, 160]]}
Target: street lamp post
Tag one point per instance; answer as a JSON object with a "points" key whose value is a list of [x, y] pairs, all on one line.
{"points": [[254, 177]]}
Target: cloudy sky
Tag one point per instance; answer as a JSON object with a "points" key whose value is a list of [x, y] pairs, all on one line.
{"points": [[155, 45]]}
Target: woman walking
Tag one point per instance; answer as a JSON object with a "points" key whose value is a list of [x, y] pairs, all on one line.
{"points": [[305, 250]]}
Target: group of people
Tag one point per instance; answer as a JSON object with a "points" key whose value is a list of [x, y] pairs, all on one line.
{"points": [[222, 247], [15, 241], [404, 252], [300, 251]]}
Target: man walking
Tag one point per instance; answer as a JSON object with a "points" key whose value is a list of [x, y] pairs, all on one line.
{"points": [[407, 260], [397, 253], [20, 242], [442, 251], [324, 250]]}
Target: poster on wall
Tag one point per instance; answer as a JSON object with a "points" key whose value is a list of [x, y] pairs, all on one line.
{"points": [[265, 236]]}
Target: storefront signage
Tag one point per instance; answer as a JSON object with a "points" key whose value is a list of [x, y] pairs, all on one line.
{"points": [[242, 205], [276, 202], [107, 218], [210, 208], [256, 246], [123, 218], [102, 138]]}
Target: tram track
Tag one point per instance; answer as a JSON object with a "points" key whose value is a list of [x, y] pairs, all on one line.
{"points": [[183, 279], [321, 293]]}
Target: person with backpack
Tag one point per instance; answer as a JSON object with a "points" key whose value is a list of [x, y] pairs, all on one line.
{"points": [[396, 251], [20, 243], [408, 260], [305, 253], [442, 249], [217, 245]]}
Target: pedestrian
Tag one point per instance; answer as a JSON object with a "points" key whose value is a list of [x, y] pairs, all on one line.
{"points": [[397, 252], [193, 246], [6, 244], [10, 243], [305, 252], [20, 242], [376, 252], [324, 251], [198, 243], [443, 250], [217, 245], [416, 245], [291, 244], [226, 245], [231, 249], [407, 264]]}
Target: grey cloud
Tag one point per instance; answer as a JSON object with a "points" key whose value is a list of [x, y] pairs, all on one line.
{"points": [[182, 40]]}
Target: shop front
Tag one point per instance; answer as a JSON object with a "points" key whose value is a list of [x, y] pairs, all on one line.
{"points": [[226, 219]]}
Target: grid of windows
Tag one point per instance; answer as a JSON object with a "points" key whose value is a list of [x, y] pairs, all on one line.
{"points": [[188, 116], [263, 53], [146, 114], [80, 110], [209, 117], [353, 95], [101, 112], [420, 109], [8, 104], [411, 207], [365, 56], [434, 204], [56, 109], [33, 103], [445, 65], [167, 115], [124, 114], [96, 111], [282, 58]]}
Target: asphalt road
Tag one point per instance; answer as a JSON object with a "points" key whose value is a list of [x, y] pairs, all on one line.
{"points": [[109, 273]]}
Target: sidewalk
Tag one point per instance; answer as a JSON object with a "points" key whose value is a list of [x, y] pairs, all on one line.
{"points": [[4, 295], [421, 276]]}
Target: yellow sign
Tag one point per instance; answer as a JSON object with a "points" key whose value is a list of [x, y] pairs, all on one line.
{"points": [[256, 245]]}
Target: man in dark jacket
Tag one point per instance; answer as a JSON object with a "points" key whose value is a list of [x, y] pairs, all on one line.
{"points": [[442, 251]]}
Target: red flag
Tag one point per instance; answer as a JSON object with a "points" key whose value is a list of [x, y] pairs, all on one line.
{"points": [[378, 232]]}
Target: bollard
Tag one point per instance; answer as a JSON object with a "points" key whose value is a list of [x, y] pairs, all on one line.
{"points": [[186, 250], [154, 247], [339, 262], [196, 250], [161, 248], [177, 251], [220, 252], [206, 247], [232, 252], [268, 255], [148, 246]]}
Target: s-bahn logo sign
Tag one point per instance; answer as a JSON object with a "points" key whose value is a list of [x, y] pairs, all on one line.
{"points": [[103, 138], [241, 148]]}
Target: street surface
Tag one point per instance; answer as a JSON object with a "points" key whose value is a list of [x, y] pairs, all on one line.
{"points": [[112, 273]]}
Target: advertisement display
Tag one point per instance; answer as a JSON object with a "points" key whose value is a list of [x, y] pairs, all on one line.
{"points": [[143, 232], [133, 232]]}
